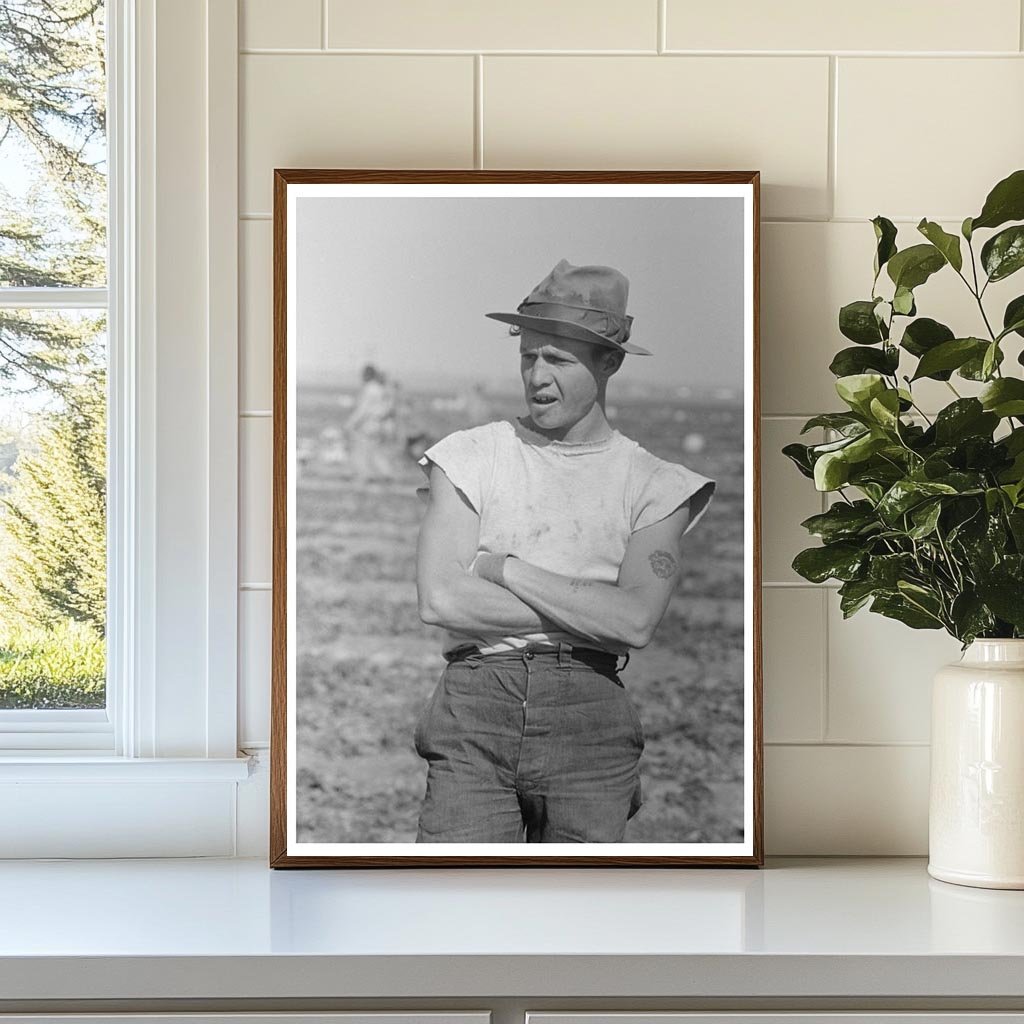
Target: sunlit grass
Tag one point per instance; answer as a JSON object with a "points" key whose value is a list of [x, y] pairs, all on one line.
{"points": [[63, 667]]}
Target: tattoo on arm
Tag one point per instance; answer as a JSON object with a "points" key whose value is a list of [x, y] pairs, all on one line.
{"points": [[663, 564]]}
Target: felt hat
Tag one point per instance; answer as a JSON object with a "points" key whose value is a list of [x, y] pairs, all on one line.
{"points": [[583, 303]]}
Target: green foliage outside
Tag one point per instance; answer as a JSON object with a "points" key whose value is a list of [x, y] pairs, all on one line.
{"points": [[928, 522], [52, 544], [60, 667], [53, 234]]}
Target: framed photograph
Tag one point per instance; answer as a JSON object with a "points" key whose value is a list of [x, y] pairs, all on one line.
{"points": [[516, 565]]}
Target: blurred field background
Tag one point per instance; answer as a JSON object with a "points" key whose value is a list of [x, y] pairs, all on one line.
{"points": [[367, 665]]}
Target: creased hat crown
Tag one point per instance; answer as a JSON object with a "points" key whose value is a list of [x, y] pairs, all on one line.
{"points": [[587, 303]]}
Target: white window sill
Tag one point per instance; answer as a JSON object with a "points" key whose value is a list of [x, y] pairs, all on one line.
{"points": [[78, 806]]}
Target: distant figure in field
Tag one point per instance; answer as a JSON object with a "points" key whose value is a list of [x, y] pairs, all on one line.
{"points": [[372, 427]]}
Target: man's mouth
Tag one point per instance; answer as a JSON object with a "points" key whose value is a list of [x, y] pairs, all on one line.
{"points": [[543, 399]]}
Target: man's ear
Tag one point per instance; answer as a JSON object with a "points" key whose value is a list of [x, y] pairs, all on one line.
{"points": [[611, 361]]}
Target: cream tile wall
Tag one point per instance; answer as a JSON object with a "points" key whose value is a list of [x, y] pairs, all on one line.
{"points": [[908, 110]]}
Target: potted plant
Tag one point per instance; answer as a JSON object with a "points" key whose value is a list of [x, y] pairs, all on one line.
{"points": [[927, 521]]}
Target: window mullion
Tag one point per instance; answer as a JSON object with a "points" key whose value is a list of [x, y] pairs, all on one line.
{"points": [[53, 298]]}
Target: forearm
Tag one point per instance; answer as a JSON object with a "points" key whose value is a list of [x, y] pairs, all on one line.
{"points": [[601, 612], [466, 603]]}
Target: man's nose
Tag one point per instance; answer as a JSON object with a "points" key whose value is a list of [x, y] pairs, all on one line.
{"points": [[539, 374]]}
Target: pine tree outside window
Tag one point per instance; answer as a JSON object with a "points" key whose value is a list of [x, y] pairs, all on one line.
{"points": [[53, 369]]}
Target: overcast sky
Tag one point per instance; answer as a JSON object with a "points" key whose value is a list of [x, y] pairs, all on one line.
{"points": [[405, 283]]}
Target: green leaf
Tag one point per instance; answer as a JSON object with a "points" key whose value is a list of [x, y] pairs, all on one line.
{"points": [[858, 389], [912, 267], [817, 450], [840, 561], [965, 228], [964, 482], [799, 455], [905, 494], [970, 617], [1005, 202], [1004, 397], [1005, 596], [866, 445], [841, 421], [995, 499], [885, 236], [991, 360], [947, 244], [849, 361], [966, 417], [887, 570], [981, 537], [1015, 519], [843, 521], [923, 335], [831, 471], [1003, 254], [857, 321], [1013, 317], [854, 594], [949, 356], [903, 302], [885, 409], [884, 470], [974, 368], [925, 518], [872, 491]]}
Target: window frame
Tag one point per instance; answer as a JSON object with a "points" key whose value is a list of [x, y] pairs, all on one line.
{"points": [[167, 773], [63, 730]]}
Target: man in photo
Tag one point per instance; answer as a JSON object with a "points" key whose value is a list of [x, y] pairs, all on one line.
{"points": [[549, 549]]}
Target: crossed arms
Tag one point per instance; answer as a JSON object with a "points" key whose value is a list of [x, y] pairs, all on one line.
{"points": [[520, 597]]}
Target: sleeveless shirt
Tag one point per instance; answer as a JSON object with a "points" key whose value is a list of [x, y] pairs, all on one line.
{"points": [[568, 507]]}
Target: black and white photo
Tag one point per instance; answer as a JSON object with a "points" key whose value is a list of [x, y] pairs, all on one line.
{"points": [[516, 568]]}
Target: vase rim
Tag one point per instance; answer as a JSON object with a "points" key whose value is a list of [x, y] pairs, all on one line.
{"points": [[994, 651]]}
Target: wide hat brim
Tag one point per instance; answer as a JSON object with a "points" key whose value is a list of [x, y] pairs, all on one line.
{"points": [[566, 329]]}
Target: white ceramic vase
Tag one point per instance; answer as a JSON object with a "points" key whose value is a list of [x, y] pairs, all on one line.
{"points": [[976, 812]]}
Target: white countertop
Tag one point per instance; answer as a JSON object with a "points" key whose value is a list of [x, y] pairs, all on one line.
{"points": [[233, 928]]}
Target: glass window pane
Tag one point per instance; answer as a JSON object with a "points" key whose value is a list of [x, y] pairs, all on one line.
{"points": [[52, 509], [53, 150]]}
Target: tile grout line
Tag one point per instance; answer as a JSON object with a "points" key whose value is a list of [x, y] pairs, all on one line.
{"points": [[258, 215], [257, 51], [833, 134], [478, 111], [847, 744]]}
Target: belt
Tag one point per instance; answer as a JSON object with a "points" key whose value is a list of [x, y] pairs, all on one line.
{"points": [[603, 661]]}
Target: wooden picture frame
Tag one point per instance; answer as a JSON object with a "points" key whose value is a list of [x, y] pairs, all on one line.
{"points": [[377, 271]]}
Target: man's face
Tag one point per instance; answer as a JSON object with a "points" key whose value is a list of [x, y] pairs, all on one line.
{"points": [[560, 379]]}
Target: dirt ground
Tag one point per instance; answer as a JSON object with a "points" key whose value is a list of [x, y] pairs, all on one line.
{"points": [[367, 665]]}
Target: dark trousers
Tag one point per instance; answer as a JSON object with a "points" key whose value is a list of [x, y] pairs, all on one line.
{"points": [[536, 746]]}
